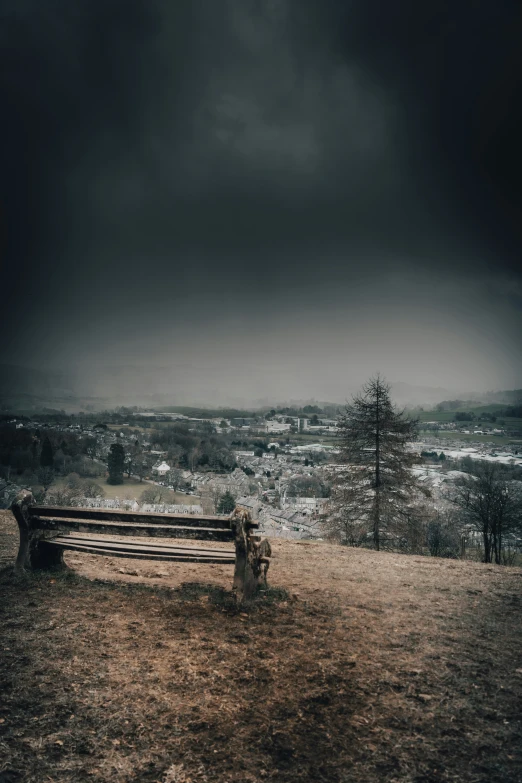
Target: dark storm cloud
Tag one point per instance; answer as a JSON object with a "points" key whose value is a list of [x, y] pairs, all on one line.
{"points": [[162, 159], [134, 110], [456, 69]]}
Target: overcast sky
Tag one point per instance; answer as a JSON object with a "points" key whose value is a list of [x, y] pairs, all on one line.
{"points": [[249, 199]]}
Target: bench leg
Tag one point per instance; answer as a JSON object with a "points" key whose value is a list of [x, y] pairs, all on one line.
{"points": [[245, 582], [247, 573], [39, 555], [34, 552], [265, 565]]}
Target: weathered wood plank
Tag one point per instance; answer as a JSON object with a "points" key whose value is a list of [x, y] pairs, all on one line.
{"points": [[118, 515], [247, 569], [185, 558], [139, 546], [133, 529], [21, 514], [32, 553], [146, 542]]}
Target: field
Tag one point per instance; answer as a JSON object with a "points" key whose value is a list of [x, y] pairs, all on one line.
{"points": [[355, 666], [445, 435], [300, 438], [446, 416], [131, 489]]}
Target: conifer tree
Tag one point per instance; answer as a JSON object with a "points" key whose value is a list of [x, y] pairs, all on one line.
{"points": [[372, 482], [226, 504], [115, 464], [47, 454]]}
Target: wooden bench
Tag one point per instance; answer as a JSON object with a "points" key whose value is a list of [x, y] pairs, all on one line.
{"points": [[46, 531]]}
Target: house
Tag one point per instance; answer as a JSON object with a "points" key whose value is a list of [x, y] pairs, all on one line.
{"points": [[303, 504], [250, 504], [274, 521], [161, 470], [277, 426]]}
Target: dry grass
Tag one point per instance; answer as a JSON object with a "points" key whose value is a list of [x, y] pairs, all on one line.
{"points": [[355, 666], [132, 489]]}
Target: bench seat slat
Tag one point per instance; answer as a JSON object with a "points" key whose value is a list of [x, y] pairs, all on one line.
{"points": [[142, 542], [124, 544], [118, 515], [133, 529], [164, 556]]}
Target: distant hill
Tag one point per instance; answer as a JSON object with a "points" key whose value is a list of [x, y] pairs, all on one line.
{"points": [[15, 379], [509, 396], [30, 388]]}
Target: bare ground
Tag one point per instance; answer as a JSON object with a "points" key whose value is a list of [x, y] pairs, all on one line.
{"points": [[354, 666]]}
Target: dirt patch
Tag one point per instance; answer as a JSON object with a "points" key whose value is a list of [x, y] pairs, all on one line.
{"points": [[354, 666]]}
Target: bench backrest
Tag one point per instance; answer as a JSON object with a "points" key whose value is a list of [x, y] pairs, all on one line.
{"points": [[201, 527]]}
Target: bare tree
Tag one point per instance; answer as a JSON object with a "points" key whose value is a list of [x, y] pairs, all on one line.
{"points": [[491, 503], [443, 532], [45, 477], [176, 477], [193, 456], [157, 494], [133, 456], [90, 447], [63, 496]]}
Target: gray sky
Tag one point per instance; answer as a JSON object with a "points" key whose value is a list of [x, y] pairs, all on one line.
{"points": [[262, 199]]}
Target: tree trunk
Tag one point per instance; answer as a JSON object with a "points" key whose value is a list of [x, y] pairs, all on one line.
{"points": [[377, 504], [376, 519], [487, 548], [498, 542], [496, 549]]}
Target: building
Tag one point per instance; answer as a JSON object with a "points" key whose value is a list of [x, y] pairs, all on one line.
{"points": [[161, 470], [250, 504], [277, 426]]}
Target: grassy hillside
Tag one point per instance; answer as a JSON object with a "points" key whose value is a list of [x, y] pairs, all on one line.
{"points": [[355, 666], [444, 436], [131, 489], [447, 416]]}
